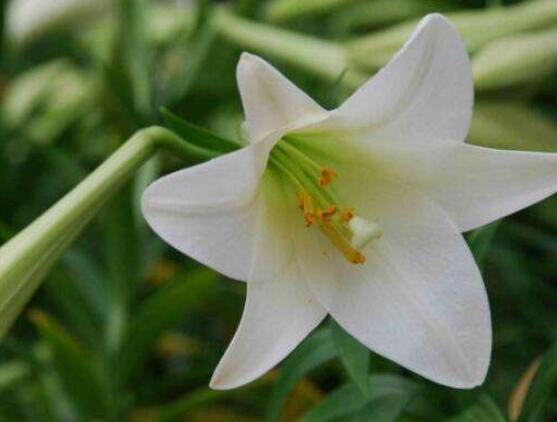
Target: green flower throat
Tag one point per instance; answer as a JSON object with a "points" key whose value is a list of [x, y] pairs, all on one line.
{"points": [[317, 201]]}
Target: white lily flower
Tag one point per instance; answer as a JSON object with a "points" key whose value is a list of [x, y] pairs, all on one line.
{"points": [[356, 213]]}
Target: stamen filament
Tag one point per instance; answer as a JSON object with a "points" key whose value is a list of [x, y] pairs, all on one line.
{"points": [[285, 170], [290, 155], [340, 225], [303, 179], [289, 149]]}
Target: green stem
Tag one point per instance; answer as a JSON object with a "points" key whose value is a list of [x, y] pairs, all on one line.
{"points": [[26, 258]]}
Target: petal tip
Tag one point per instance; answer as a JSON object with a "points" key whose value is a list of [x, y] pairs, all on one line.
{"points": [[438, 21], [249, 59], [223, 381], [433, 18], [245, 56], [216, 383]]}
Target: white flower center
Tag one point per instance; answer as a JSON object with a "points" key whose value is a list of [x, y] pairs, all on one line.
{"points": [[348, 232]]}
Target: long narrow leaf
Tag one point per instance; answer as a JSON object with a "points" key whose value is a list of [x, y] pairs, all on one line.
{"points": [[353, 355], [387, 396], [315, 350], [202, 138]]}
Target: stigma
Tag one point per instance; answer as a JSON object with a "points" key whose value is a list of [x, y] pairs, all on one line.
{"points": [[347, 231]]}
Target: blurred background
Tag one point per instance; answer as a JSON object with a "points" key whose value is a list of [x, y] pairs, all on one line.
{"points": [[126, 329]]}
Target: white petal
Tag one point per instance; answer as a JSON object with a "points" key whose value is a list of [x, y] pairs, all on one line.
{"points": [[278, 315], [477, 185], [212, 211], [425, 92], [419, 300], [270, 100]]}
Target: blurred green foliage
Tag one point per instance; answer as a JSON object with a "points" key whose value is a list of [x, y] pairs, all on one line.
{"points": [[126, 329]]}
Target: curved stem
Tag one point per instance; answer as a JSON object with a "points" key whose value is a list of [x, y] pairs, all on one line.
{"points": [[42, 242]]}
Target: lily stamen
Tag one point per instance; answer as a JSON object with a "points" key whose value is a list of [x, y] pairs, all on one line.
{"points": [[346, 215], [348, 233], [327, 176]]}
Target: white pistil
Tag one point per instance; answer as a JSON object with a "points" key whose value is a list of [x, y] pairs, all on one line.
{"points": [[363, 232], [348, 232]]}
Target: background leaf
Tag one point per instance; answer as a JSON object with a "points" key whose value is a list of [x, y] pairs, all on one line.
{"points": [[353, 355]]}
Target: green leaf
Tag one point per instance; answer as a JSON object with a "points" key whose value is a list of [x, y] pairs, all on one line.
{"points": [[484, 410], [13, 373], [177, 410], [132, 52], [388, 396], [384, 409], [198, 136], [317, 349], [480, 241], [78, 369], [162, 311], [121, 249], [195, 50], [541, 389], [69, 300], [353, 355]]}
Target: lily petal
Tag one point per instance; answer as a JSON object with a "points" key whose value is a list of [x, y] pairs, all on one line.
{"points": [[212, 211], [419, 300], [270, 100], [426, 91], [278, 315], [477, 185]]}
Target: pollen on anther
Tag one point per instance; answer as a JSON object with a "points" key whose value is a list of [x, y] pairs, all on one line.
{"points": [[346, 215], [324, 215], [358, 258], [327, 176]]}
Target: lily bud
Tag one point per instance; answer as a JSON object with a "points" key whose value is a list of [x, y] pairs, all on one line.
{"points": [[325, 59], [285, 10], [57, 92], [516, 60], [476, 27]]}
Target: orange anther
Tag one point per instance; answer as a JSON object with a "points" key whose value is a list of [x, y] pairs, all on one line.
{"points": [[358, 258], [331, 210], [324, 215], [310, 218], [327, 176], [346, 215]]}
